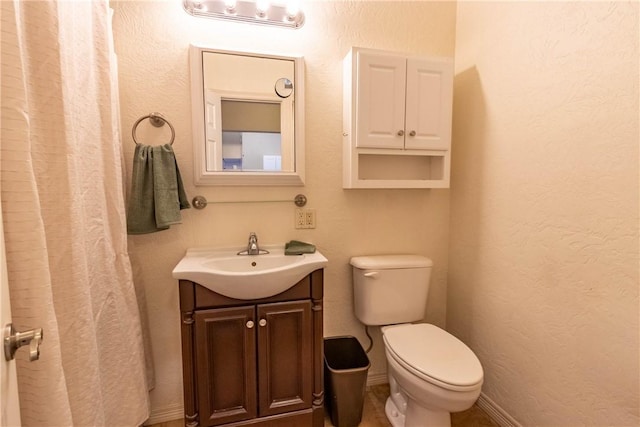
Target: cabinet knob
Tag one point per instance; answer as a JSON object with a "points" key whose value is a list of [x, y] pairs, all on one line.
{"points": [[412, 133], [250, 324], [400, 132], [263, 322]]}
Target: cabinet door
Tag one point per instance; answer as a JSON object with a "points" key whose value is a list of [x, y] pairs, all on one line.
{"points": [[380, 102], [429, 103], [285, 358], [225, 347]]}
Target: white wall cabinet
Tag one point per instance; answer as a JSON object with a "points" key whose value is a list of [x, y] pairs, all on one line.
{"points": [[397, 120]]}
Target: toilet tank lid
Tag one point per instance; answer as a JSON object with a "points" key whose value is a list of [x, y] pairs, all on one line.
{"points": [[387, 262]]}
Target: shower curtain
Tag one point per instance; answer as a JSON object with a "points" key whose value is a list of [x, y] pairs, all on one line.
{"points": [[64, 216]]}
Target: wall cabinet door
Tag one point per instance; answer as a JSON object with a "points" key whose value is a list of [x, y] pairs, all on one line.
{"points": [[428, 105], [285, 357], [403, 103], [225, 348], [380, 100]]}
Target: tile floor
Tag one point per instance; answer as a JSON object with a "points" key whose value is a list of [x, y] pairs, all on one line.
{"points": [[373, 413]]}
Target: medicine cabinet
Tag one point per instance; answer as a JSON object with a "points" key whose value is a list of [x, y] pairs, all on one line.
{"points": [[397, 120], [248, 118]]}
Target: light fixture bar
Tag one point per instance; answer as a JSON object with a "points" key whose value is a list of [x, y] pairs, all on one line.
{"points": [[254, 12]]}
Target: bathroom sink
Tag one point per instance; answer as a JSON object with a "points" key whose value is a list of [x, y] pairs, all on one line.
{"points": [[246, 276]]}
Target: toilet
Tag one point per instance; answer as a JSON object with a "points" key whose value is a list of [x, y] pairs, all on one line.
{"points": [[431, 373]]}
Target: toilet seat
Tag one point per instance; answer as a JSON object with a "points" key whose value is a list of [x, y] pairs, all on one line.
{"points": [[434, 355]]}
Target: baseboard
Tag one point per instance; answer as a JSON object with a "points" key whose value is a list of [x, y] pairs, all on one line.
{"points": [[176, 411], [496, 413], [377, 379], [166, 413]]}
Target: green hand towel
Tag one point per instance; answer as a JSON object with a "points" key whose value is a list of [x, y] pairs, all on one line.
{"points": [[296, 247], [157, 193]]}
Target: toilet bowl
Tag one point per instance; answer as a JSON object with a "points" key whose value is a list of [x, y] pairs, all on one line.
{"points": [[431, 373]]}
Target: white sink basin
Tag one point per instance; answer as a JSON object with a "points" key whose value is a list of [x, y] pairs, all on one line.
{"points": [[246, 276]]}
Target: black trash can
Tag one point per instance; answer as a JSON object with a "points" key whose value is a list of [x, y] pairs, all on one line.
{"points": [[345, 377]]}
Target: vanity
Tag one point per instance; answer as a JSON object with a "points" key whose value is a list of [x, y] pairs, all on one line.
{"points": [[252, 361]]}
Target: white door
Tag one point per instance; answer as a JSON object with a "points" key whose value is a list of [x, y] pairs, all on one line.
{"points": [[9, 406], [380, 88], [213, 130], [429, 103]]}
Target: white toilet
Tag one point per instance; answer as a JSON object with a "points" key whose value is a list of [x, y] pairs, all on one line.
{"points": [[431, 372]]}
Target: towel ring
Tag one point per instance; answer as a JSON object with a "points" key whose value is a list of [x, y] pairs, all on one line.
{"points": [[156, 120]]}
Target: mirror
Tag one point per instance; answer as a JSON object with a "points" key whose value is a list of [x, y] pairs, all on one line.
{"points": [[248, 118]]}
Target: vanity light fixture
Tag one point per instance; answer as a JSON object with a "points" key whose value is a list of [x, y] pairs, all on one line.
{"points": [[256, 12]]}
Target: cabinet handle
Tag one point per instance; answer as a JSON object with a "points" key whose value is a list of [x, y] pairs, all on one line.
{"points": [[263, 322], [412, 133], [250, 324], [400, 132]]}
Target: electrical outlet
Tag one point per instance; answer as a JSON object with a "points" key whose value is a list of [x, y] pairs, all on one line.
{"points": [[305, 218], [310, 218], [300, 218]]}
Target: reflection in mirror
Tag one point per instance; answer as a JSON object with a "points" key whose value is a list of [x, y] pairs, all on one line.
{"points": [[247, 117], [251, 138]]}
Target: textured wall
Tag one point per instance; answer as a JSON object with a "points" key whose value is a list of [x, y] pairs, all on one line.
{"points": [[152, 41], [543, 276]]}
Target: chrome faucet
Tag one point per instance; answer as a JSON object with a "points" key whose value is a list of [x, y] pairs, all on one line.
{"points": [[252, 246]]}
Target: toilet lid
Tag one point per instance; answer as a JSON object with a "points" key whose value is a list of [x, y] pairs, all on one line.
{"points": [[434, 353]]}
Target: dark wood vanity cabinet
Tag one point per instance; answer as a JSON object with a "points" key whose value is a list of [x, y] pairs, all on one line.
{"points": [[253, 362]]}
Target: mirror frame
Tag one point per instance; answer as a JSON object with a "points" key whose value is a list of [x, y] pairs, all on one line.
{"points": [[202, 176]]}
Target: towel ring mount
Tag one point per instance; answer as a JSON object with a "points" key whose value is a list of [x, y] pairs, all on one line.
{"points": [[157, 120]]}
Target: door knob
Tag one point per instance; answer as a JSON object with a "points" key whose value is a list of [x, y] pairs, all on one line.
{"points": [[250, 324], [263, 322], [400, 132], [13, 340], [412, 133]]}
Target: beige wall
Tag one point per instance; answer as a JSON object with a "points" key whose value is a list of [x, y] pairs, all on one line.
{"points": [[152, 40], [543, 277]]}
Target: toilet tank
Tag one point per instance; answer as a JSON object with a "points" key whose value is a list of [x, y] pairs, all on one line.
{"points": [[390, 289]]}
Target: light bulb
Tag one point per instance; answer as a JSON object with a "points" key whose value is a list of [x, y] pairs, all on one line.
{"points": [[230, 6], [261, 8], [292, 9]]}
